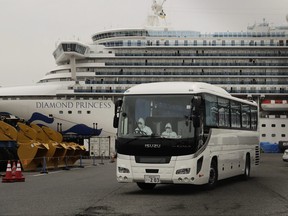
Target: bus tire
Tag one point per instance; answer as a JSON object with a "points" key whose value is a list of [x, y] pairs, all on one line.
{"points": [[213, 175], [146, 186], [247, 169]]}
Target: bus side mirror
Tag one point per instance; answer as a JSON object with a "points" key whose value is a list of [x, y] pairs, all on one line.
{"points": [[196, 122], [118, 105], [115, 122], [196, 102]]}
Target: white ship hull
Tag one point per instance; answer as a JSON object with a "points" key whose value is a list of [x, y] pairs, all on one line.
{"points": [[69, 115]]}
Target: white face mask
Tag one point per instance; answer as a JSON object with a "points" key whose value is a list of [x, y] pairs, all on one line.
{"points": [[140, 125], [168, 128]]}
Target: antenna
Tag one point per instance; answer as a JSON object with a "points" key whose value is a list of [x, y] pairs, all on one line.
{"points": [[157, 12], [158, 9]]}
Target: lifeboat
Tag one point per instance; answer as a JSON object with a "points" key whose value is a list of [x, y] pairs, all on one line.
{"points": [[274, 105]]}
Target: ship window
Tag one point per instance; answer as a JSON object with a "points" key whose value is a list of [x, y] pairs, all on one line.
{"points": [[283, 135], [60, 112], [263, 135], [79, 111], [88, 112], [263, 125], [283, 125], [271, 42], [273, 135], [69, 112], [273, 125]]}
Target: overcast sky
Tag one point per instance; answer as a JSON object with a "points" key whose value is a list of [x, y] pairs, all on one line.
{"points": [[31, 28]]}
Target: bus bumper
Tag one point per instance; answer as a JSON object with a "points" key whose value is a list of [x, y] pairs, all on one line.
{"points": [[176, 172]]}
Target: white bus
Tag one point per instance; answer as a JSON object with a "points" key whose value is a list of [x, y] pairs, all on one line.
{"points": [[184, 133]]}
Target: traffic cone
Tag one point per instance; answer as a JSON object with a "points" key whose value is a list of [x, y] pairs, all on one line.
{"points": [[13, 168], [18, 175], [8, 176]]}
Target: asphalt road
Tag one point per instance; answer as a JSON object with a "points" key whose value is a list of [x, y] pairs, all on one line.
{"points": [[93, 190]]}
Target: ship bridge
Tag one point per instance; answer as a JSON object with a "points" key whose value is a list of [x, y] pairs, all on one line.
{"points": [[65, 50]]}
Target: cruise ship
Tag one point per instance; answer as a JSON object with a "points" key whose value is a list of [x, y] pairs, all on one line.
{"points": [[77, 97]]}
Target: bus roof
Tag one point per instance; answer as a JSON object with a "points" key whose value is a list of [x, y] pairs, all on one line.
{"points": [[180, 88], [176, 88]]}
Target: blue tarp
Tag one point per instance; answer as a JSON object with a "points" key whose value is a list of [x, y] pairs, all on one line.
{"points": [[8, 144], [268, 147]]}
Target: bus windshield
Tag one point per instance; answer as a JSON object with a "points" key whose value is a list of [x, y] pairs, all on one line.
{"points": [[163, 116]]}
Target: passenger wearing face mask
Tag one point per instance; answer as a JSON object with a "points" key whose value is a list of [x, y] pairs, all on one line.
{"points": [[142, 128], [169, 133]]}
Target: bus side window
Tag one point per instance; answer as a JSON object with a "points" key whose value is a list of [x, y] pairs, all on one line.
{"points": [[254, 116], [235, 114], [245, 109], [211, 111], [224, 112]]}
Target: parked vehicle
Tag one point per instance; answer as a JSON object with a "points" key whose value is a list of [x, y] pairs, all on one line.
{"points": [[285, 156]]}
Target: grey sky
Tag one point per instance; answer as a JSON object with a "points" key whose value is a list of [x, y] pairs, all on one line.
{"points": [[31, 28]]}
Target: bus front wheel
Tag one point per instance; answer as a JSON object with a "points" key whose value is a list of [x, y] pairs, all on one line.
{"points": [[213, 176], [146, 186]]}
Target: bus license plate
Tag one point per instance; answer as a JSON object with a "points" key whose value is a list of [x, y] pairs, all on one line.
{"points": [[152, 179]]}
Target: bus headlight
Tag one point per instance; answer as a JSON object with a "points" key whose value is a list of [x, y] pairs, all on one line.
{"points": [[183, 171], [123, 170]]}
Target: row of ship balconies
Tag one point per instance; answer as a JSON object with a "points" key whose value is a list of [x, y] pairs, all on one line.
{"points": [[202, 64], [216, 80], [233, 91], [208, 73], [195, 43], [261, 53], [230, 89]]}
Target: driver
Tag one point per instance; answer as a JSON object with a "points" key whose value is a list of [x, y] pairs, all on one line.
{"points": [[142, 128]]}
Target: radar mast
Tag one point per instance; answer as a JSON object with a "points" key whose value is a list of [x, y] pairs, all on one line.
{"points": [[157, 14]]}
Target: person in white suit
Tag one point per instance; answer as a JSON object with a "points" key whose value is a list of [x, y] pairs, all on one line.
{"points": [[169, 133], [142, 128]]}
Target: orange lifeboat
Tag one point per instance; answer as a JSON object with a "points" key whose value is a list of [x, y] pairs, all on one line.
{"points": [[274, 105]]}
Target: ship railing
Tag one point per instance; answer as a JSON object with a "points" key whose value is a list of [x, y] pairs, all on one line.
{"points": [[204, 43], [236, 79], [199, 54], [232, 63]]}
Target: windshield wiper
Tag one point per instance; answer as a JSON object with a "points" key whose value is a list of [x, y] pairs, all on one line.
{"points": [[145, 135]]}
